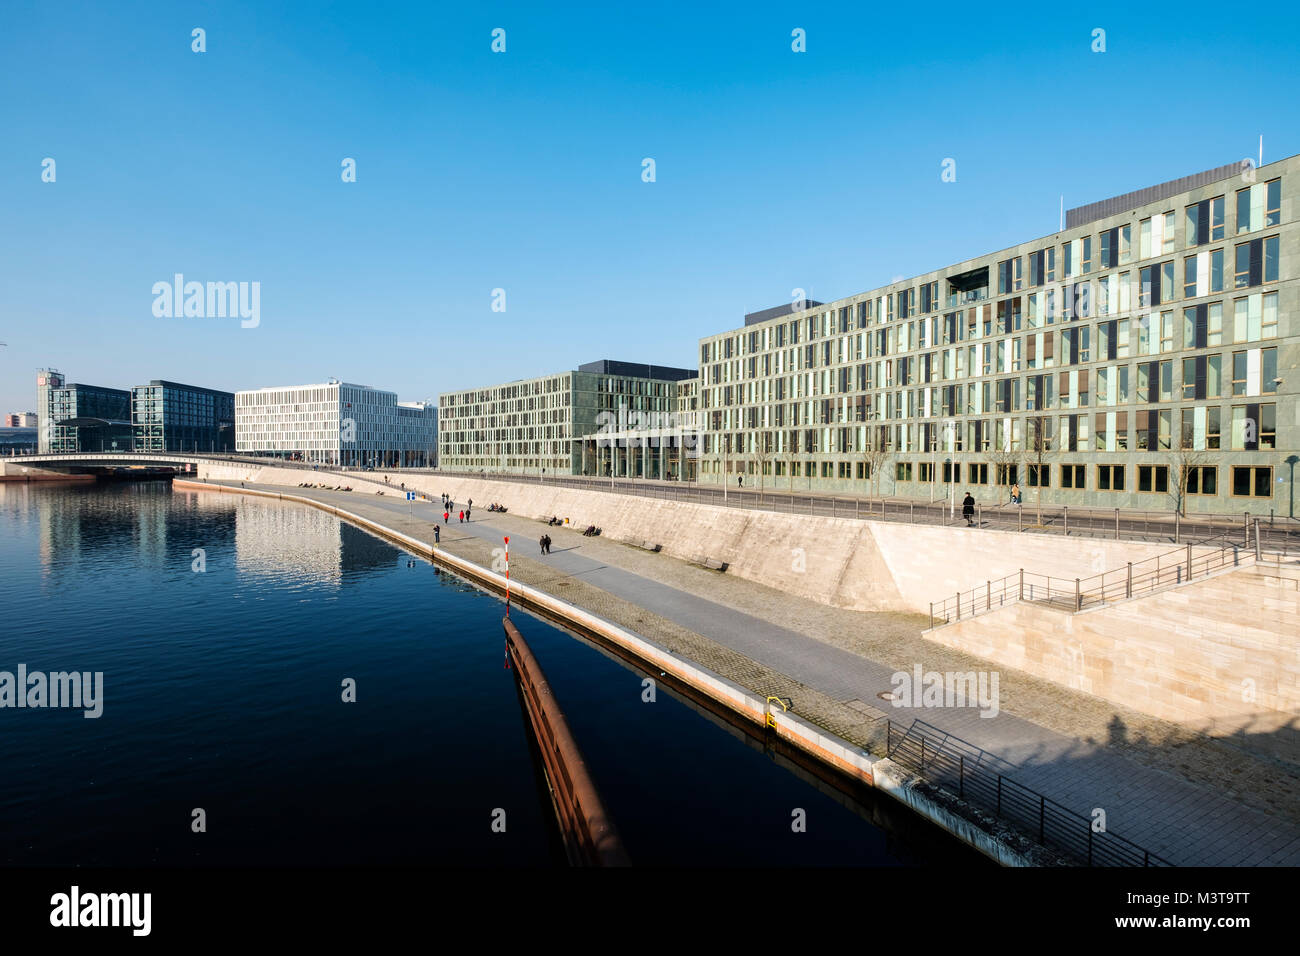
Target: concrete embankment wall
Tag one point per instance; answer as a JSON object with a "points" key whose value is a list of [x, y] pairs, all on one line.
{"points": [[861, 565], [1218, 654], [12, 471]]}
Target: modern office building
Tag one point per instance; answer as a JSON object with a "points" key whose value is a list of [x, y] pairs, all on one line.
{"points": [[336, 423], [17, 441], [168, 416], [603, 417], [81, 418], [1145, 355], [22, 420]]}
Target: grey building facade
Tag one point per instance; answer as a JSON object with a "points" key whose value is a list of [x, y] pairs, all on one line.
{"points": [[336, 423], [573, 422], [1145, 357]]}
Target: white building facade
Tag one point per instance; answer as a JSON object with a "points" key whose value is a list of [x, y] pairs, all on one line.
{"points": [[336, 423]]}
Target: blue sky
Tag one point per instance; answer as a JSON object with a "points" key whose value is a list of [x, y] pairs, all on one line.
{"points": [[522, 170]]}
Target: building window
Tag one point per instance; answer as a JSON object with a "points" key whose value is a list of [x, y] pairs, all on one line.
{"points": [[1273, 203], [1110, 477], [977, 474], [1252, 481], [1254, 427], [1072, 476], [1153, 479], [1202, 377], [1239, 362], [1202, 480], [1204, 222], [1203, 326], [927, 471], [1255, 262], [1035, 471]]}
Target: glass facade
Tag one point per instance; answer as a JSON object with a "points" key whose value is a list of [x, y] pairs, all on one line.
{"points": [[103, 416], [166, 416]]}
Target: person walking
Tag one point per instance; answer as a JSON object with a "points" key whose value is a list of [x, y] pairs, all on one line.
{"points": [[437, 534], [445, 516], [740, 481], [541, 544], [462, 517], [1015, 493], [968, 509]]}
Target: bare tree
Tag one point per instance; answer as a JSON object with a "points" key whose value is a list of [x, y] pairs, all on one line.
{"points": [[1004, 461], [874, 454], [1182, 463], [762, 456], [1037, 452]]}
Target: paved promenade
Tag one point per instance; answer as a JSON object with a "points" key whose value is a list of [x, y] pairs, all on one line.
{"points": [[1191, 800]]}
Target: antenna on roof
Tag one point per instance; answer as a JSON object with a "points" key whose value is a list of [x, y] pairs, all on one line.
{"points": [[1261, 149], [1062, 227]]}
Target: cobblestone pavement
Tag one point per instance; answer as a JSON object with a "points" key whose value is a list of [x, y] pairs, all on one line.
{"points": [[1190, 798]]}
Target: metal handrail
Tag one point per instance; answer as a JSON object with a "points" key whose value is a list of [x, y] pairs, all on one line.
{"points": [[1277, 532], [1035, 814], [1163, 570]]}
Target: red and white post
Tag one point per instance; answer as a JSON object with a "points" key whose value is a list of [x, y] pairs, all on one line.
{"points": [[507, 540]]}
